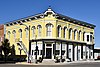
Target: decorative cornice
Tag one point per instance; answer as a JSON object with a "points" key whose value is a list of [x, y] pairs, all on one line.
{"points": [[58, 16]]}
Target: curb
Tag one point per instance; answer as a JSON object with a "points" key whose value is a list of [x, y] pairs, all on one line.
{"points": [[64, 63]]}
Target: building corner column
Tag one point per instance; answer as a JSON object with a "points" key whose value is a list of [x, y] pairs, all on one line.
{"points": [[43, 50], [61, 52], [73, 52]]}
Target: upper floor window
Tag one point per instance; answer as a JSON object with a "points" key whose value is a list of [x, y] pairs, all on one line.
{"points": [[20, 32], [14, 33], [87, 38], [79, 35], [59, 31], [70, 33], [33, 31], [39, 30], [75, 34], [8, 34], [49, 29], [90, 38], [65, 32]]}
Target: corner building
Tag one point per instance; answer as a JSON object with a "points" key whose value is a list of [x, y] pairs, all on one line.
{"points": [[55, 35]]}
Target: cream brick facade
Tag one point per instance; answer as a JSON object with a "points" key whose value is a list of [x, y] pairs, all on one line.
{"points": [[50, 32]]}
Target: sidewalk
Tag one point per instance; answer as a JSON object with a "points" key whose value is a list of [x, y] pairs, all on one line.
{"points": [[61, 63]]}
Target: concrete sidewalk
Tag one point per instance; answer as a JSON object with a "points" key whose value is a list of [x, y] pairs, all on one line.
{"points": [[61, 63]]}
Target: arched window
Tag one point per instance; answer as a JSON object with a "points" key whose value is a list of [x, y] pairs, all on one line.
{"points": [[49, 30], [39, 30], [70, 33], [59, 31], [20, 32], [79, 35], [8, 34], [65, 32], [75, 34], [83, 36], [14, 33], [33, 31]]}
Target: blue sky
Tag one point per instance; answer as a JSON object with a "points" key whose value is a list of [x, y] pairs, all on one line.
{"points": [[85, 10]]}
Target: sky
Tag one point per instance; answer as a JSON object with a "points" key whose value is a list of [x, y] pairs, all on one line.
{"points": [[84, 10]]}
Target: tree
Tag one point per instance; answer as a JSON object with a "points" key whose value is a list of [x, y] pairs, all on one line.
{"points": [[6, 48], [13, 50]]}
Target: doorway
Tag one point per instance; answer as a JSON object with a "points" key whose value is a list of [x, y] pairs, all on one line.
{"points": [[48, 53]]}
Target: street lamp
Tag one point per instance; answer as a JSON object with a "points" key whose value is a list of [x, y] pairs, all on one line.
{"points": [[20, 52], [28, 27]]}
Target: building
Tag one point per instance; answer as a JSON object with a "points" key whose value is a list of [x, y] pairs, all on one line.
{"points": [[1, 37], [1, 33], [54, 35], [97, 53]]}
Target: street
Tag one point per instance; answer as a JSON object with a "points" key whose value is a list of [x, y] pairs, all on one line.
{"points": [[86, 64]]}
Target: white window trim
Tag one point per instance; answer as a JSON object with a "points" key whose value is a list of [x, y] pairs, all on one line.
{"points": [[39, 31], [80, 35], [70, 34], [59, 32], [26, 33], [75, 35]]}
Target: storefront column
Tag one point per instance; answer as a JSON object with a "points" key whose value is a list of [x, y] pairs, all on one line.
{"points": [[43, 49], [61, 52], [67, 50], [73, 51], [84, 51], [54, 50], [81, 51], [77, 51], [88, 50], [93, 51], [36, 53]]}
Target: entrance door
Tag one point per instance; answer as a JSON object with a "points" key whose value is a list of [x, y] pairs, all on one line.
{"points": [[48, 53]]}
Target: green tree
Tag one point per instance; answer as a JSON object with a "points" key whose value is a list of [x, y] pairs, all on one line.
{"points": [[6, 48]]}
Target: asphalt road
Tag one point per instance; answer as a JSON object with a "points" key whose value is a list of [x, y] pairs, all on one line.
{"points": [[92, 64]]}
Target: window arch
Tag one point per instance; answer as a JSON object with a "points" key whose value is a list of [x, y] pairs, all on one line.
{"points": [[49, 29], [33, 31], [65, 32], [59, 31], [75, 34], [20, 31], [70, 33], [39, 30], [14, 33], [79, 35]]}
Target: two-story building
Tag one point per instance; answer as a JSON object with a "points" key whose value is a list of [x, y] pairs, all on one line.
{"points": [[55, 35], [1, 37]]}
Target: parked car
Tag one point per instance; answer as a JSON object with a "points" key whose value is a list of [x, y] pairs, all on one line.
{"points": [[98, 57]]}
